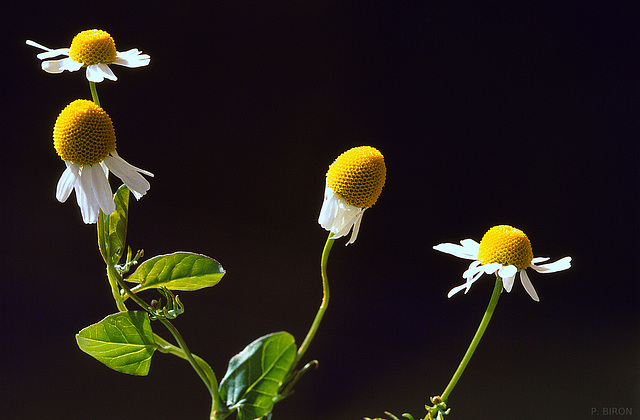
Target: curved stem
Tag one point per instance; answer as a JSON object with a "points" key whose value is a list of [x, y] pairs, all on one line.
{"points": [[166, 347], [323, 306], [94, 93], [190, 358], [497, 289]]}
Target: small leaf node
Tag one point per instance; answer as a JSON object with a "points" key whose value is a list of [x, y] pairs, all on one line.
{"points": [[171, 310]]}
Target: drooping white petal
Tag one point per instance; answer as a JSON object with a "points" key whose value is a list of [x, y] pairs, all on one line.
{"points": [[142, 171], [85, 197], [95, 73], [100, 71], [507, 282], [67, 181], [507, 271], [132, 58], [58, 66], [528, 286], [338, 217], [102, 190], [344, 220], [559, 265], [129, 174], [356, 228]]}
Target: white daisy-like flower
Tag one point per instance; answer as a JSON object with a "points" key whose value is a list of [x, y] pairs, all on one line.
{"points": [[505, 251], [84, 138], [353, 184], [93, 49]]}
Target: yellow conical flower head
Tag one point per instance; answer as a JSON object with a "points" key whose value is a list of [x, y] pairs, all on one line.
{"points": [[83, 133], [505, 245], [94, 46], [358, 176]]}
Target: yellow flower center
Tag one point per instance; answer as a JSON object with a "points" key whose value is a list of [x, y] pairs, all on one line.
{"points": [[358, 176], [83, 133], [505, 245], [93, 47]]}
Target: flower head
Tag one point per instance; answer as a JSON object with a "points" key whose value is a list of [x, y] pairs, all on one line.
{"points": [[93, 49], [503, 250], [354, 182], [84, 138]]}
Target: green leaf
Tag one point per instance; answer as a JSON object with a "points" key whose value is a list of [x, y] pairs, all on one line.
{"points": [[113, 228], [178, 271], [122, 341], [255, 375]]}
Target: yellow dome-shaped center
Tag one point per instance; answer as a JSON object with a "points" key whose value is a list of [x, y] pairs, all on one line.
{"points": [[358, 176], [505, 245], [93, 47], [83, 133]]}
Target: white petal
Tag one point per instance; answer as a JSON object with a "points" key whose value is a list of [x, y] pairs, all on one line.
{"points": [[94, 74], [58, 66], [356, 228], [329, 209], [537, 260], [337, 216], [559, 265], [85, 197], [456, 290], [142, 171], [524, 279], [128, 174], [508, 271], [472, 246], [344, 220], [67, 182], [474, 268], [106, 71], [466, 250], [49, 53], [102, 190], [132, 58], [492, 268], [35, 44], [507, 282]]}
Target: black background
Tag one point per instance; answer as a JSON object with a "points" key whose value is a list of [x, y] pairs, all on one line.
{"points": [[523, 113]]}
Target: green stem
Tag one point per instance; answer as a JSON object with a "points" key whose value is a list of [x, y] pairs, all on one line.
{"points": [[114, 277], [94, 93], [112, 273], [323, 306], [497, 289], [212, 385], [166, 347]]}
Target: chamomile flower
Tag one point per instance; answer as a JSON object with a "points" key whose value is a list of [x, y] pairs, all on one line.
{"points": [[505, 251], [353, 184], [93, 49], [84, 138]]}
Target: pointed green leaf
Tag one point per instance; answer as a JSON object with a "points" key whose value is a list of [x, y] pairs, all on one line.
{"points": [[113, 228], [255, 375], [122, 341], [178, 271]]}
